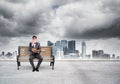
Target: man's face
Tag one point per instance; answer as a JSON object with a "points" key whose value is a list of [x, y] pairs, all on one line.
{"points": [[34, 40]]}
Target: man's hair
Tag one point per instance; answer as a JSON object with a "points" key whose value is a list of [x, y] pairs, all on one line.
{"points": [[34, 37]]}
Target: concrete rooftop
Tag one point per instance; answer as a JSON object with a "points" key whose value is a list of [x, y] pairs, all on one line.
{"points": [[86, 72]]}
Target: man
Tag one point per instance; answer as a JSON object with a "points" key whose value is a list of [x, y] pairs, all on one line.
{"points": [[34, 48]]}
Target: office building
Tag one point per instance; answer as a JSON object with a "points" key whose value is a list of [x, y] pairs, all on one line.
{"points": [[71, 46], [83, 49]]}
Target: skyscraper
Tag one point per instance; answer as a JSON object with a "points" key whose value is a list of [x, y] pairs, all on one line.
{"points": [[58, 45], [56, 49], [64, 46], [94, 53], [83, 49], [100, 53], [49, 43], [71, 46], [3, 53]]}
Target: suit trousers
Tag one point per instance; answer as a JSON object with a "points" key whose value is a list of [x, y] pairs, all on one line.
{"points": [[32, 57]]}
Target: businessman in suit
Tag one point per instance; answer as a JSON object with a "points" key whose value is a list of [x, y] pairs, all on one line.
{"points": [[34, 48]]}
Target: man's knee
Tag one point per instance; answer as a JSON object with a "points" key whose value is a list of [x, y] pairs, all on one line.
{"points": [[40, 58], [30, 58]]}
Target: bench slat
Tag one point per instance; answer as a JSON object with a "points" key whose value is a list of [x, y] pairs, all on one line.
{"points": [[45, 51]]}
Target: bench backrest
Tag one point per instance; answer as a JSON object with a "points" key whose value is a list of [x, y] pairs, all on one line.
{"points": [[45, 51]]}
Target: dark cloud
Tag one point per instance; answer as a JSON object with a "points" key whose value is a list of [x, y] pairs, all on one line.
{"points": [[112, 31], [17, 1], [110, 28], [34, 24], [5, 29], [21, 20], [15, 23], [112, 6], [6, 12], [59, 3]]}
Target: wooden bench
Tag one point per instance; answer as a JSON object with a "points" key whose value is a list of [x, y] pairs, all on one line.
{"points": [[46, 53]]}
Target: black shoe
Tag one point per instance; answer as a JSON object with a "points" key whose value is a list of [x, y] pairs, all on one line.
{"points": [[37, 70], [33, 70]]}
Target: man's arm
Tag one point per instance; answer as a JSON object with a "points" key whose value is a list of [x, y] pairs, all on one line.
{"points": [[30, 47], [39, 48], [34, 50]]}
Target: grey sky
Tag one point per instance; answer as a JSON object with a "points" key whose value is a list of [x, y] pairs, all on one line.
{"points": [[27, 17], [59, 19]]}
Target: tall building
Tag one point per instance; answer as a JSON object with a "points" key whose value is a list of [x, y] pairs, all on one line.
{"points": [[71, 46], [113, 56], [58, 45], [56, 49], [49, 43], [83, 49], [3, 53], [100, 53], [64, 46], [106, 56], [94, 53]]}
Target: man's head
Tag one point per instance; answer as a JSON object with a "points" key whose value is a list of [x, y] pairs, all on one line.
{"points": [[34, 39]]}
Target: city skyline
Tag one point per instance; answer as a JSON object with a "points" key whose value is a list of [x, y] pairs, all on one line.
{"points": [[78, 46], [68, 47]]}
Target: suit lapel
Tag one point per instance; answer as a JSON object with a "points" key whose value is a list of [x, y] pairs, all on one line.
{"points": [[36, 45]]}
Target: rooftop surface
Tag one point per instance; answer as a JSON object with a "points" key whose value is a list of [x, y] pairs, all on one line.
{"points": [[65, 72]]}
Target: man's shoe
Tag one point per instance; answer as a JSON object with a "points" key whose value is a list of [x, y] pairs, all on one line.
{"points": [[33, 70], [37, 70]]}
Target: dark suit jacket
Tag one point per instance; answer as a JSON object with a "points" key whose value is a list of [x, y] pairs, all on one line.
{"points": [[37, 46]]}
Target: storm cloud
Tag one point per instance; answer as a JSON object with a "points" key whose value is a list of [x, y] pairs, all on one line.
{"points": [[93, 21], [21, 19], [112, 31], [75, 19]]}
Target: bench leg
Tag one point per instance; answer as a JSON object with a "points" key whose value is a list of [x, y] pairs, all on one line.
{"points": [[18, 64], [52, 64]]}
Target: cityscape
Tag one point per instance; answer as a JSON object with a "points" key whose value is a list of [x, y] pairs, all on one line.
{"points": [[65, 49], [8, 55]]}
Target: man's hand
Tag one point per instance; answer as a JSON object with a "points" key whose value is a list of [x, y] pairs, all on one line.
{"points": [[35, 50]]}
